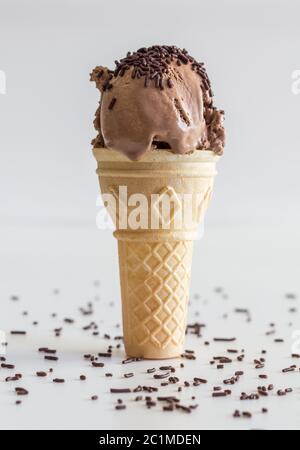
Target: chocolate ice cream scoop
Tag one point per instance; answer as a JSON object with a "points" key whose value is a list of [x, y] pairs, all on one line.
{"points": [[158, 97]]}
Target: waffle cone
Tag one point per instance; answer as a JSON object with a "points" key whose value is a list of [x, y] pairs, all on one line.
{"points": [[155, 264]]}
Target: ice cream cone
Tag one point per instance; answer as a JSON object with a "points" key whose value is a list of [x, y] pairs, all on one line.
{"points": [[155, 262]]}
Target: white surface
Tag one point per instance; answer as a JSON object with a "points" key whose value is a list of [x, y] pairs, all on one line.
{"points": [[256, 267]]}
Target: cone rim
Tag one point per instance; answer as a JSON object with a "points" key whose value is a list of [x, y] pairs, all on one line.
{"points": [[159, 155]]}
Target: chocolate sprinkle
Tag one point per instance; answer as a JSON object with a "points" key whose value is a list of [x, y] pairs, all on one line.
{"points": [[120, 407], [112, 103], [217, 339], [128, 375], [7, 366], [41, 374], [161, 376], [51, 358], [97, 364], [21, 391], [120, 391]]}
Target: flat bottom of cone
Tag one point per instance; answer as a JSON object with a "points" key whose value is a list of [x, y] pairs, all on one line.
{"points": [[154, 358]]}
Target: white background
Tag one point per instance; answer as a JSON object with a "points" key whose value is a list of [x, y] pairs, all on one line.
{"points": [[47, 50], [48, 191]]}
